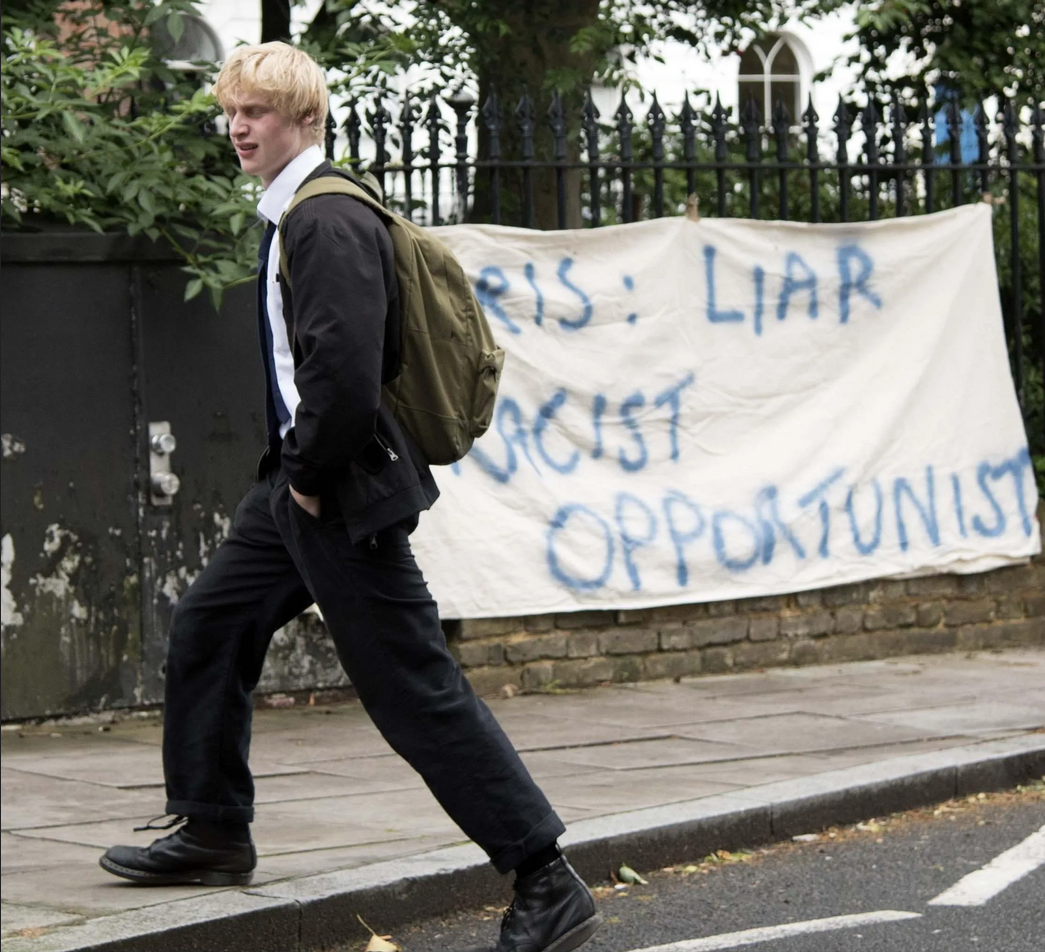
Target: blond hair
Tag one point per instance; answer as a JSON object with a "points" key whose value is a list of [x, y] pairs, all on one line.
{"points": [[289, 79]]}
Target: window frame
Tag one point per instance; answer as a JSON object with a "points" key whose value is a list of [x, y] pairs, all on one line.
{"points": [[767, 77]]}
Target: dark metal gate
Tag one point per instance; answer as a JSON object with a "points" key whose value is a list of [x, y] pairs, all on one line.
{"points": [[97, 343]]}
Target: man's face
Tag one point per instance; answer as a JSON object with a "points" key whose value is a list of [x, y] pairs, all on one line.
{"points": [[265, 140]]}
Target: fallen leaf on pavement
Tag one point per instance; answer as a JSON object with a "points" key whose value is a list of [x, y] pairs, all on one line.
{"points": [[378, 943], [627, 875]]}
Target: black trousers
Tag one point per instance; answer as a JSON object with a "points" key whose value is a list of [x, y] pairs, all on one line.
{"points": [[277, 560]]}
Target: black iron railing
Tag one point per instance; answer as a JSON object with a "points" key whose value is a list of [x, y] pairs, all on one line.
{"points": [[571, 168]]}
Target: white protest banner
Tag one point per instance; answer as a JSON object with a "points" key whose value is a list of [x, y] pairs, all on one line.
{"points": [[695, 411]]}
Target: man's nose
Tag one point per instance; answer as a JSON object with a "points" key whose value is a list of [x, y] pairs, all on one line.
{"points": [[237, 125]]}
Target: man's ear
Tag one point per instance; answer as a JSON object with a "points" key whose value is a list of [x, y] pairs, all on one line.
{"points": [[308, 120]]}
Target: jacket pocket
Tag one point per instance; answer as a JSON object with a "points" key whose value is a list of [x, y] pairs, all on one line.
{"points": [[373, 459]]}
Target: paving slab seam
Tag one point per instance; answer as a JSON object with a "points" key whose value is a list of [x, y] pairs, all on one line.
{"points": [[585, 745], [319, 911], [747, 758]]}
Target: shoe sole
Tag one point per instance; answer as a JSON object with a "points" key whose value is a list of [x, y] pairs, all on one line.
{"points": [[577, 936], [188, 877]]}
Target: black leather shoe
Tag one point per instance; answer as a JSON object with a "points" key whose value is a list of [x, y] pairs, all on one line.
{"points": [[186, 856], [553, 911]]}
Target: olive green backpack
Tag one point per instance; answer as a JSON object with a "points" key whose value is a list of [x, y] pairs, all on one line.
{"points": [[450, 365]]}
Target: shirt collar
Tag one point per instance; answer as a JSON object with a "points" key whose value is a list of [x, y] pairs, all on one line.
{"points": [[280, 193]]}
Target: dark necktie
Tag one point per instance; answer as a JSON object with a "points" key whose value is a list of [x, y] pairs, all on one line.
{"points": [[275, 410]]}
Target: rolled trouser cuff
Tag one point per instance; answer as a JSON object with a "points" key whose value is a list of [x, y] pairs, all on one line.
{"points": [[543, 834], [211, 812]]}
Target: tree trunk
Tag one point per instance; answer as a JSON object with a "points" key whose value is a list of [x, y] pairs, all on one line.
{"points": [[275, 20], [517, 64]]}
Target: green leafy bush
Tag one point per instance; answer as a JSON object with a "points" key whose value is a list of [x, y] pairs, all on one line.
{"points": [[99, 132]]}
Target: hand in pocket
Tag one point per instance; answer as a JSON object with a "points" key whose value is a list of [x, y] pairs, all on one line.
{"points": [[309, 503]]}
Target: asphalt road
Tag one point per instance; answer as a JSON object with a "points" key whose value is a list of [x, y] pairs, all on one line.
{"points": [[884, 871]]}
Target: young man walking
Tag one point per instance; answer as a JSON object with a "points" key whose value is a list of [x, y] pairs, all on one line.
{"points": [[340, 488]]}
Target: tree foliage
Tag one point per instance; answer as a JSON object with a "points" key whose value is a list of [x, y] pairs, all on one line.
{"points": [[525, 48], [973, 48], [533, 45]]}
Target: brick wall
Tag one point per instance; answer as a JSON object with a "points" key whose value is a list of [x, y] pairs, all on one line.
{"points": [[858, 622]]}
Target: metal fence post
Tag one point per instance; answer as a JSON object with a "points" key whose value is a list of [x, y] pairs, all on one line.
{"points": [[590, 121], [491, 113], [462, 104], [524, 118], [1011, 129]]}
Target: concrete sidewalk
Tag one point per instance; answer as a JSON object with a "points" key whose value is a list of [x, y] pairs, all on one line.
{"points": [[650, 774]]}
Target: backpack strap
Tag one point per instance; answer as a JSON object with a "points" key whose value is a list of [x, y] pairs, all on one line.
{"points": [[339, 183]]}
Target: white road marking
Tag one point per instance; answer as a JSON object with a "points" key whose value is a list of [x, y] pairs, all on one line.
{"points": [[1002, 871], [733, 940]]}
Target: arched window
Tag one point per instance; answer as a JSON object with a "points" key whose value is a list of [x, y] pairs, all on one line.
{"points": [[769, 73]]}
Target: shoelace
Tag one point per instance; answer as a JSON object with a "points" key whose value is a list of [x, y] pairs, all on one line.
{"points": [[509, 915], [174, 820]]}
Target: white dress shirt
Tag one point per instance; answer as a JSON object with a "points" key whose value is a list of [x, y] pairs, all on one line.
{"points": [[271, 208]]}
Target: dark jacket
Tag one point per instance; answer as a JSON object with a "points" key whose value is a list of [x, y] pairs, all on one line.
{"points": [[341, 307]]}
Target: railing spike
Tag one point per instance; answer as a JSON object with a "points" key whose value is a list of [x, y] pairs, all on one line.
{"points": [[810, 116], [1010, 120], [719, 119], [687, 113], [751, 122], [353, 127], [812, 131], [590, 121], [623, 113], [843, 118], [329, 135], [979, 120], [557, 121], [491, 113], [869, 127], [625, 125], [589, 111], [655, 119], [688, 126], [843, 129], [524, 116]]}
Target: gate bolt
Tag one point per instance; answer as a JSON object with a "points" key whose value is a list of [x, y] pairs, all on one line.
{"points": [[163, 443], [165, 484]]}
